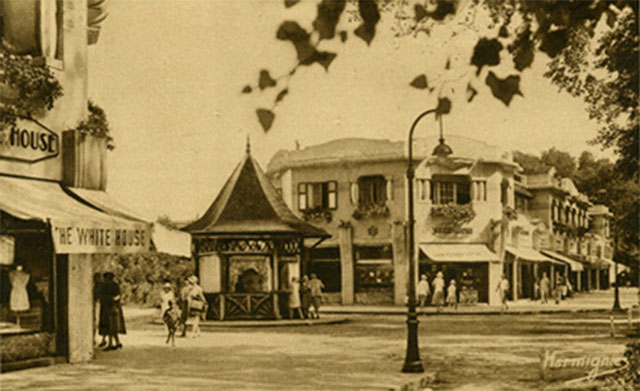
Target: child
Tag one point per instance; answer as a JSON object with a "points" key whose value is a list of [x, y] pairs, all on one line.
{"points": [[171, 318], [452, 300]]}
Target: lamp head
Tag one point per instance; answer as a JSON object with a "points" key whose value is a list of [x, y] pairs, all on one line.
{"points": [[442, 149]]}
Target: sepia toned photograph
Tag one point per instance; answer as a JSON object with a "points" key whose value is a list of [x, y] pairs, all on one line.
{"points": [[385, 195]]}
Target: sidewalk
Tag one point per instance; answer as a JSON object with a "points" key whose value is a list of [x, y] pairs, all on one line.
{"points": [[595, 301]]}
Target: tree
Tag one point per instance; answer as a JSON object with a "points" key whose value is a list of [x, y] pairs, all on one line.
{"points": [[531, 164], [563, 162], [564, 30]]}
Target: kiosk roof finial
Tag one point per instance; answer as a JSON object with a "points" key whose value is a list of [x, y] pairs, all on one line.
{"points": [[248, 150]]}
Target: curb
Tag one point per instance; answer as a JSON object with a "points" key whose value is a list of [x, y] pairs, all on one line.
{"points": [[493, 313], [212, 324]]}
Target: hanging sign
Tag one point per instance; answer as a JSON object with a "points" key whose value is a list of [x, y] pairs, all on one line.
{"points": [[84, 238], [28, 141]]}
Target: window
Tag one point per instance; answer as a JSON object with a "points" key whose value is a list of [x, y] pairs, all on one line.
{"points": [[450, 189], [34, 29], [372, 190], [480, 190], [504, 192], [521, 204], [318, 195], [374, 268]]}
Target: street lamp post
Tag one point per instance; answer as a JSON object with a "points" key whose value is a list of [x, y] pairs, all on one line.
{"points": [[412, 362], [616, 291]]}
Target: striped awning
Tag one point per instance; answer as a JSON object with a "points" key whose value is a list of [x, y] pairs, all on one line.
{"points": [[462, 252], [529, 254]]}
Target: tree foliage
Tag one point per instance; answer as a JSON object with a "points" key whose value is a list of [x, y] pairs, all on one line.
{"points": [[568, 32]]}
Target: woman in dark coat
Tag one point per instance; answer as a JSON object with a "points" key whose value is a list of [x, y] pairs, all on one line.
{"points": [[111, 292]]}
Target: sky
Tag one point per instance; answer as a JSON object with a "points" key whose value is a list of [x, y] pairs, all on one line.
{"points": [[169, 74]]}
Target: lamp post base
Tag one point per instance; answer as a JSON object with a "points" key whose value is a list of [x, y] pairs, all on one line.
{"points": [[412, 362]]}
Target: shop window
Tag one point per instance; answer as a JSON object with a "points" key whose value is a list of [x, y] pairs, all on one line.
{"points": [[450, 189], [374, 268], [26, 286], [325, 263], [521, 204], [319, 195], [372, 190]]}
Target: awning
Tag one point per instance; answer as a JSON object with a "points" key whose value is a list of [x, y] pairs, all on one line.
{"points": [[575, 265], [164, 239], [75, 227], [529, 254], [467, 252]]}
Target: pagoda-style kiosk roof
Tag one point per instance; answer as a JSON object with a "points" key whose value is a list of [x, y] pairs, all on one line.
{"points": [[248, 246]]}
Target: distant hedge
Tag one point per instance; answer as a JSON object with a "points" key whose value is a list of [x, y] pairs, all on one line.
{"points": [[141, 275]]}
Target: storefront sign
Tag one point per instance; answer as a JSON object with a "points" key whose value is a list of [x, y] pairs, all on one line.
{"points": [[81, 239], [28, 141]]}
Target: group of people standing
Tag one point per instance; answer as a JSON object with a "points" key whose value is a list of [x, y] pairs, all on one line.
{"points": [[544, 291], [108, 311], [303, 294], [438, 297], [190, 305]]}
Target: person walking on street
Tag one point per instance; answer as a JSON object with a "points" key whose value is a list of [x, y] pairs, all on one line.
{"points": [[111, 291], [167, 298], [294, 298], [438, 291], [305, 296], [503, 289], [423, 290], [316, 286], [545, 288], [557, 292], [452, 299], [184, 305], [197, 305]]}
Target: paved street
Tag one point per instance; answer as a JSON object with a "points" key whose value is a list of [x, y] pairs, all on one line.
{"points": [[467, 352]]}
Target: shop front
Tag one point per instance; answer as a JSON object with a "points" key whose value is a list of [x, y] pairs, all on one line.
{"points": [[524, 265], [472, 266], [49, 240]]}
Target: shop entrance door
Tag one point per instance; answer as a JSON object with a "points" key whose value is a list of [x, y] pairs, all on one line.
{"points": [[61, 279]]}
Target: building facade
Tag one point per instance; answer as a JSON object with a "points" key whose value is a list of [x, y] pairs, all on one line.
{"points": [[56, 220], [477, 218]]}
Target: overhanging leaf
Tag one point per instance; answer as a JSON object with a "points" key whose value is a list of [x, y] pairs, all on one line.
{"points": [[443, 8], [504, 89], [522, 49], [246, 90], [486, 52], [420, 82], [471, 92], [368, 10], [420, 12], [323, 58], [444, 106], [343, 36], [281, 95], [291, 31], [553, 42], [290, 3], [329, 12], [266, 118], [265, 80]]}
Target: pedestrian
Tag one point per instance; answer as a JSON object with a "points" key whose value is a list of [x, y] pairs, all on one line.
{"points": [[294, 298], [557, 292], [167, 298], [305, 296], [423, 290], [438, 291], [184, 305], [316, 286], [111, 291], [197, 305], [452, 299], [103, 317], [97, 292], [545, 288], [503, 289]]}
